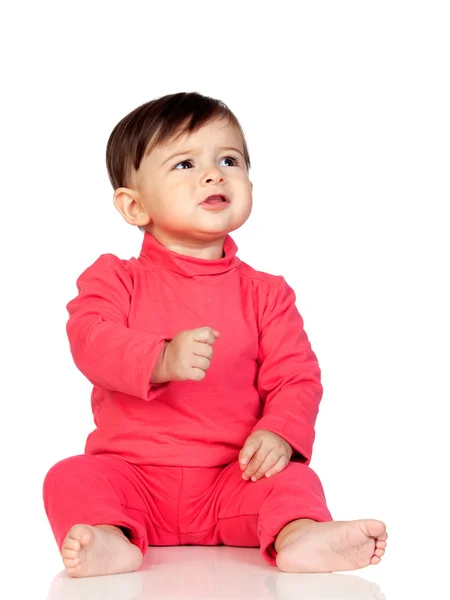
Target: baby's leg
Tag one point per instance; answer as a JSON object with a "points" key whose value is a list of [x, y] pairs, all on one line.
{"points": [[84, 499], [289, 516]]}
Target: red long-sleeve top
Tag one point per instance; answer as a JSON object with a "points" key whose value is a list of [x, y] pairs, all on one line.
{"points": [[263, 374]]}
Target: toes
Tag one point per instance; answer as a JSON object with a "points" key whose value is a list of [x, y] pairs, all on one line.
{"points": [[69, 553], [375, 560], [71, 544], [74, 571], [376, 529], [80, 534], [378, 552], [70, 563]]}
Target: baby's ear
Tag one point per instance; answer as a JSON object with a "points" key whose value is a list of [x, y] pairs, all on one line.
{"points": [[129, 204]]}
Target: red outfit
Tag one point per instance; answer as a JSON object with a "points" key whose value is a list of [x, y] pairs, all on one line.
{"points": [[162, 459]]}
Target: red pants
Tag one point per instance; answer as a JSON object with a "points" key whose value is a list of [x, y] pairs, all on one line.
{"points": [[172, 506]]}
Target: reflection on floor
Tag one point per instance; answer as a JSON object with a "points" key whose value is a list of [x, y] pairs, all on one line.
{"points": [[212, 572]]}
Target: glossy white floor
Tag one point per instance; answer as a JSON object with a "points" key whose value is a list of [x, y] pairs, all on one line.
{"points": [[414, 567], [212, 572]]}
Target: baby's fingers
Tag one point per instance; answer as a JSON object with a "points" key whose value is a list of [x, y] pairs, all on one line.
{"points": [[281, 464], [269, 463]]}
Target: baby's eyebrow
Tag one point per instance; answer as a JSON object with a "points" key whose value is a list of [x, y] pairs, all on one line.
{"points": [[177, 154], [192, 151], [231, 148]]}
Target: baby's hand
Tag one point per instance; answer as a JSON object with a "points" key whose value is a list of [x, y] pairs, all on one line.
{"points": [[271, 454], [186, 357]]}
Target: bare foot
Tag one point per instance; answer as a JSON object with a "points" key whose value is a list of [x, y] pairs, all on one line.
{"points": [[100, 550], [311, 547]]}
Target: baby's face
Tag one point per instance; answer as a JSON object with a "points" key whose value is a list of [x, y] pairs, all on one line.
{"points": [[175, 179]]}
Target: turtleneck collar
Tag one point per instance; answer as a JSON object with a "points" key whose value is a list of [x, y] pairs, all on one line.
{"points": [[189, 266]]}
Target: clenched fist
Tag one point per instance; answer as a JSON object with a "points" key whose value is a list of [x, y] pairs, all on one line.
{"points": [[187, 356]]}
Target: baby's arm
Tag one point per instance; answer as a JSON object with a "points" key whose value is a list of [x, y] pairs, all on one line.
{"points": [[104, 348], [289, 374]]}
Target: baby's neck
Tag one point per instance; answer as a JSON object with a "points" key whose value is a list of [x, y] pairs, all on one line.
{"points": [[208, 250]]}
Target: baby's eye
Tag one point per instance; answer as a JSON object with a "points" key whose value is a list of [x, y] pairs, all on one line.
{"points": [[183, 162], [233, 159], [234, 162]]}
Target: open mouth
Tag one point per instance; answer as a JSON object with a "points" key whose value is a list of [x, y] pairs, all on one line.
{"points": [[216, 199]]}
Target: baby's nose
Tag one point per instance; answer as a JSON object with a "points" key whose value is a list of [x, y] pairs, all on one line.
{"points": [[213, 175]]}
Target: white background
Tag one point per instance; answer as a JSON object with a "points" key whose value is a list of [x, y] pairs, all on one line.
{"points": [[345, 106]]}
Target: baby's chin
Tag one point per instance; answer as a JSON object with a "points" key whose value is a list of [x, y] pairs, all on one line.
{"points": [[222, 223]]}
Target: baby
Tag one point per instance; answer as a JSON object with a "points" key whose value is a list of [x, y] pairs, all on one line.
{"points": [[205, 387]]}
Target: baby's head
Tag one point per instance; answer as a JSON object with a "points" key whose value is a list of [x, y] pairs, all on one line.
{"points": [[166, 157]]}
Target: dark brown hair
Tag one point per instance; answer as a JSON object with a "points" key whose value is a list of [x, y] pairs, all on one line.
{"points": [[156, 122]]}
